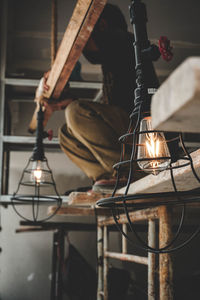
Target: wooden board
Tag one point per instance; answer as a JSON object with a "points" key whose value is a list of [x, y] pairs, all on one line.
{"points": [[81, 24], [65, 62], [70, 35], [69, 226], [69, 210], [86, 198], [135, 216], [184, 179], [176, 104]]}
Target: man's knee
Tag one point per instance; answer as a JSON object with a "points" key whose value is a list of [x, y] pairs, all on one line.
{"points": [[78, 113], [72, 113]]}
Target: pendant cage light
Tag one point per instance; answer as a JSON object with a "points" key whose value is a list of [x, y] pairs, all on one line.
{"points": [[151, 150], [36, 182]]}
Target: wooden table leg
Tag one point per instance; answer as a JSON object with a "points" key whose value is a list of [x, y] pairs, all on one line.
{"points": [[105, 263], [151, 260], [165, 260], [100, 262]]}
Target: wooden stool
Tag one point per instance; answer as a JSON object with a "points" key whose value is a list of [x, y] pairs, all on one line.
{"points": [[105, 221], [165, 261]]}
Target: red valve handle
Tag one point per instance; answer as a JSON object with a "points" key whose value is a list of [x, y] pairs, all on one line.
{"points": [[165, 48], [50, 134]]}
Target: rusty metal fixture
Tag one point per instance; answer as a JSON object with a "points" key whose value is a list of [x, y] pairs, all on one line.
{"points": [[100, 261], [36, 178], [152, 159]]}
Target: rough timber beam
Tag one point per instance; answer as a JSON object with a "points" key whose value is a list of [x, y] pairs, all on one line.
{"points": [[176, 104], [85, 16], [81, 24], [184, 179]]}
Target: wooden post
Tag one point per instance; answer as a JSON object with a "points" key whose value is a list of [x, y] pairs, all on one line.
{"points": [[53, 30], [151, 260], [105, 263], [81, 24], [124, 240], [165, 260], [100, 261]]}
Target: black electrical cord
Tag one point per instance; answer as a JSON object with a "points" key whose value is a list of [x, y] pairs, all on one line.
{"points": [[133, 153], [36, 199], [156, 250], [189, 156], [144, 245], [35, 203], [165, 249], [138, 20]]}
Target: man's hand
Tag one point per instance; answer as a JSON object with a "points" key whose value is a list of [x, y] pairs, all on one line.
{"points": [[51, 107], [46, 76]]}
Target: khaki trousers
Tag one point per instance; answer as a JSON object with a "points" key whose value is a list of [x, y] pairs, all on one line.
{"points": [[90, 136]]}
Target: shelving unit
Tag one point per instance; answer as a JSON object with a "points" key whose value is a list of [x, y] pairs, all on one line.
{"points": [[9, 142]]}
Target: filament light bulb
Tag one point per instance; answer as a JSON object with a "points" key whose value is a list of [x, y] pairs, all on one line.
{"points": [[37, 173], [153, 153]]}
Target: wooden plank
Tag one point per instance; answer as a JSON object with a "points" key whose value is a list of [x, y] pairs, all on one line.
{"points": [[86, 198], [79, 211], [81, 24], [184, 179], [70, 35], [67, 226], [78, 31], [176, 104], [67, 42], [127, 257], [135, 216]]}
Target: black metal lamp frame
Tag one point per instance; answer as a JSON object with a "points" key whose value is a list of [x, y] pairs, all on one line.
{"points": [[142, 46], [36, 199]]}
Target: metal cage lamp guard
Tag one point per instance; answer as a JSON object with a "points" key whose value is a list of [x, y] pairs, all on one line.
{"points": [[151, 150], [37, 177]]}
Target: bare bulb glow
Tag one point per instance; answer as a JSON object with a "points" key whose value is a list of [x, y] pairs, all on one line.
{"points": [[152, 145], [37, 173]]}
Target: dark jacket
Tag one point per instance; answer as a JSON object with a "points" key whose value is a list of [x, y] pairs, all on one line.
{"points": [[116, 56]]}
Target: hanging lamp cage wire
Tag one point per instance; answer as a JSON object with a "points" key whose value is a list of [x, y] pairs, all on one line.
{"points": [[130, 140], [37, 185]]}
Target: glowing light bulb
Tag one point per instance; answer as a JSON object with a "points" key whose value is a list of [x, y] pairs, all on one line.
{"points": [[37, 173], [153, 154]]}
